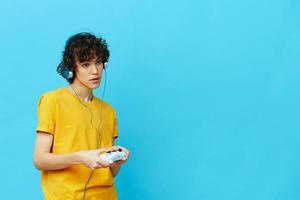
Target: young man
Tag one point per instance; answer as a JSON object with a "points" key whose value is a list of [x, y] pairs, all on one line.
{"points": [[75, 128]]}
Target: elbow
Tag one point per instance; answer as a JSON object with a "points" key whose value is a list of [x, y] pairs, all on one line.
{"points": [[37, 163]]}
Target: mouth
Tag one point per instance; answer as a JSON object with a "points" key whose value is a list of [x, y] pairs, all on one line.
{"points": [[95, 79]]}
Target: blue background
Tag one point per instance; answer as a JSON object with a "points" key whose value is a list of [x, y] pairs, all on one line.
{"points": [[207, 93]]}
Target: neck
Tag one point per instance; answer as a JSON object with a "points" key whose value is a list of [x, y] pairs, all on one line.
{"points": [[81, 91]]}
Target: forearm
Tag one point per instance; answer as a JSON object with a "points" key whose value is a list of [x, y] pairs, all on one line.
{"points": [[50, 161], [115, 169]]}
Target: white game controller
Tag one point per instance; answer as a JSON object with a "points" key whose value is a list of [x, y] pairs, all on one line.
{"points": [[112, 156]]}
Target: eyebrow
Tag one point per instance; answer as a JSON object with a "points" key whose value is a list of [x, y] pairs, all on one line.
{"points": [[88, 61], [84, 62]]}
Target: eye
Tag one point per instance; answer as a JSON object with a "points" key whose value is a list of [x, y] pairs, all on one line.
{"points": [[85, 65], [98, 62]]}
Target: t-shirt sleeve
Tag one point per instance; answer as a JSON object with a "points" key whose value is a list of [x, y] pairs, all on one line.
{"points": [[46, 114], [115, 127]]}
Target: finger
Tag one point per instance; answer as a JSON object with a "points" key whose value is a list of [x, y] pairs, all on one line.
{"points": [[103, 163], [117, 163], [103, 150], [115, 148], [97, 151], [95, 165], [127, 153], [91, 167]]}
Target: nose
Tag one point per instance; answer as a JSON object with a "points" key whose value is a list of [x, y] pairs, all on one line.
{"points": [[95, 68]]}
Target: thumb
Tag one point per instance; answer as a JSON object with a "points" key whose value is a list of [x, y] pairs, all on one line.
{"points": [[103, 150], [98, 151]]}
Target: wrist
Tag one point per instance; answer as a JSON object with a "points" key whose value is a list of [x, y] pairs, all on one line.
{"points": [[115, 169], [115, 166]]}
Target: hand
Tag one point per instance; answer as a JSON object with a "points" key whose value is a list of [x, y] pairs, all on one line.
{"points": [[126, 151], [92, 159]]}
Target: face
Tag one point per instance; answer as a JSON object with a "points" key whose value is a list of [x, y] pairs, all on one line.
{"points": [[88, 73]]}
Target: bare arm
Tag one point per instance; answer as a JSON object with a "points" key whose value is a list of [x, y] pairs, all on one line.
{"points": [[45, 160], [115, 169]]}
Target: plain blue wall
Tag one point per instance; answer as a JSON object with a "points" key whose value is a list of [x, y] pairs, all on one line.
{"points": [[207, 93]]}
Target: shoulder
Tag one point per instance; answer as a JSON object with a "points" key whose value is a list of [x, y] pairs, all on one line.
{"points": [[51, 96], [106, 106], [53, 93]]}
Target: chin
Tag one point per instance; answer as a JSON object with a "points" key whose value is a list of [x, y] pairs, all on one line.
{"points": [[94, 86]]}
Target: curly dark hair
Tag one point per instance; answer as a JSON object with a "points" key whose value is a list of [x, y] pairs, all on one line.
{"points": [[83, 47]]}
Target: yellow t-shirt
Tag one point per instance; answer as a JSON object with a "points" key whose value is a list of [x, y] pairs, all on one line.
{"points": [[73, 126]]}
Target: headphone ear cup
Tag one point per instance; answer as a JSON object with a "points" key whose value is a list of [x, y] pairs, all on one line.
{"points": [[67, 74], [71, 74]]}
